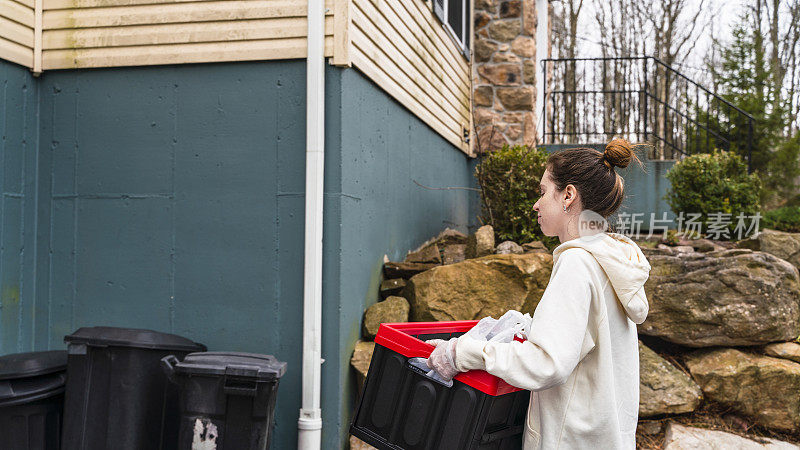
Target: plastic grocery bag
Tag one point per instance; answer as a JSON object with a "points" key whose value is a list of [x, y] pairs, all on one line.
{"points": [[502, 330], [420, 365], [512, 323]]}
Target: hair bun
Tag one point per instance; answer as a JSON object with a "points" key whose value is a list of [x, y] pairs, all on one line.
{"points": [[618, 153]]}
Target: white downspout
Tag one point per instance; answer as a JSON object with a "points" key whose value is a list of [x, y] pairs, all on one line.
{"points": [[309, 425]]}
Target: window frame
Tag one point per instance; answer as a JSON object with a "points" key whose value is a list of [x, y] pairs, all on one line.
{"points": [[441, 13]]}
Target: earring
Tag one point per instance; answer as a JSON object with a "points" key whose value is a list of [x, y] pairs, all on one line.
{"points": [[565, 208]]}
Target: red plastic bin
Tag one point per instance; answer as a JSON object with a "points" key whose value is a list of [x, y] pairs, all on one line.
{"points": [[401, 408]]}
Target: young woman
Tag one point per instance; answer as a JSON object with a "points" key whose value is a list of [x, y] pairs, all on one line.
{"points": [[581, 357]]}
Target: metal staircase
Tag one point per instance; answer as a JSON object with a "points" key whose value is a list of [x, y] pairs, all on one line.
{"points": [[589, 100]]}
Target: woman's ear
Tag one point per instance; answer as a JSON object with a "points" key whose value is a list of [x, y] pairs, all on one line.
{"points": [[570, 195]]}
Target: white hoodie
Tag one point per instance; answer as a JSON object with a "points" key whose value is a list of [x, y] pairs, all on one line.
{"points": [[581, 359]]}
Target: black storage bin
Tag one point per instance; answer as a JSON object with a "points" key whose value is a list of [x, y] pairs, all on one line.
{"points": [[31, 400], [402, 408], [228, 397], [117, 396]]}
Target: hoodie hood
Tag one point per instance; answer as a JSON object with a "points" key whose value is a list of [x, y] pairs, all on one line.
{"points": [[625, 265]]}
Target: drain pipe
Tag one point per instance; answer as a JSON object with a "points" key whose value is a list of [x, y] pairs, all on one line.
{"points": [[309, 425]]}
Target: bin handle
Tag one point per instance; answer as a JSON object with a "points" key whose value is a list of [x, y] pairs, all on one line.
{"points": [[501, 433], [168, 365], [244, 388]]}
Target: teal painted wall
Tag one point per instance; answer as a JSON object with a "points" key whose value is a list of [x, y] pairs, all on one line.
{"points": [[172, 207], [380, 209], [171, 198], [645, 189], [21, 324]]}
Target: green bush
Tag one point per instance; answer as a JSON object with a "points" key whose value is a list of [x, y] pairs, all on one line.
{"points": [[509, 180], [712, 183], [782, 219], [783, 170], [794, 200], [672, 238]]}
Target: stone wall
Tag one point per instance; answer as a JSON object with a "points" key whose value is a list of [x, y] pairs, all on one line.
{"points": [[504, 72]]}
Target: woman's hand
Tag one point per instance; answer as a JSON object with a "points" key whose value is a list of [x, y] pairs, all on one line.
{"points": [[443, 358]]}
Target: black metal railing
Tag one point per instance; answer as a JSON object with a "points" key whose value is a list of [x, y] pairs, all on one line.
{"points": [[587, 100]]}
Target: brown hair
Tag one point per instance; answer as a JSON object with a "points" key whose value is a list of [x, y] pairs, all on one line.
{"points": [[592, 173]]}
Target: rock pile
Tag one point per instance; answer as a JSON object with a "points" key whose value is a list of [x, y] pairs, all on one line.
{"points": [[729, 311]]}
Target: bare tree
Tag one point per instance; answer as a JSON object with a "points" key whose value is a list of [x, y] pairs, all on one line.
{"points": [[782, 18], [621, 36], [676, 26], [622, 28], [668, 30], [566, 19]]}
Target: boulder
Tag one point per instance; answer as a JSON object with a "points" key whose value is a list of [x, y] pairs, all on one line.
{"points": [[729, 252], [405, 270], [429, 254], [680, 437], [454, 253], [392, 287], [481, 287], [663, 388], [784, 350], [700, 245], [726, 297], [661, 249], [509, 247], [664, 249], [393, 309], [779, 243], [481, 243], [535, 247], [451, 236], [358, 444], [446, 237], [762, 388], [649, 427], [362, 356], [703, 245]]}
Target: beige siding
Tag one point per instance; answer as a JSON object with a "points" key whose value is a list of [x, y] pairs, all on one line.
{"points": [[401, 46], [16, 31], [102, 33]]}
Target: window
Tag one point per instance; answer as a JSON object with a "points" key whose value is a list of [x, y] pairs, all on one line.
{"points": [[455, 17]]}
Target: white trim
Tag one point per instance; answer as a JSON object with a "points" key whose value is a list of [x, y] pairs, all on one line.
{"points": [[461, 44], [37, 37], [454, 37], [464, 37]]}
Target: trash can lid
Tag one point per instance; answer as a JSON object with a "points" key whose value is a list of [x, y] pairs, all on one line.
{"points": [[27, 377], [31, 364], [246, 365], [132, 337]]}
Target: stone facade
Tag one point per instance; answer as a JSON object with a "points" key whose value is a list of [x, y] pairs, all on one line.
{"points": [[504, 73]]}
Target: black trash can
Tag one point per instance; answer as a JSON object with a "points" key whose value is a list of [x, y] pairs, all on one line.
{"points": [[226, 397], [117, 395], [31, 400]]}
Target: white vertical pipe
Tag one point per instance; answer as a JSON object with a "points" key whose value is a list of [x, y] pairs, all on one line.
{"points": [[309, 425]]}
